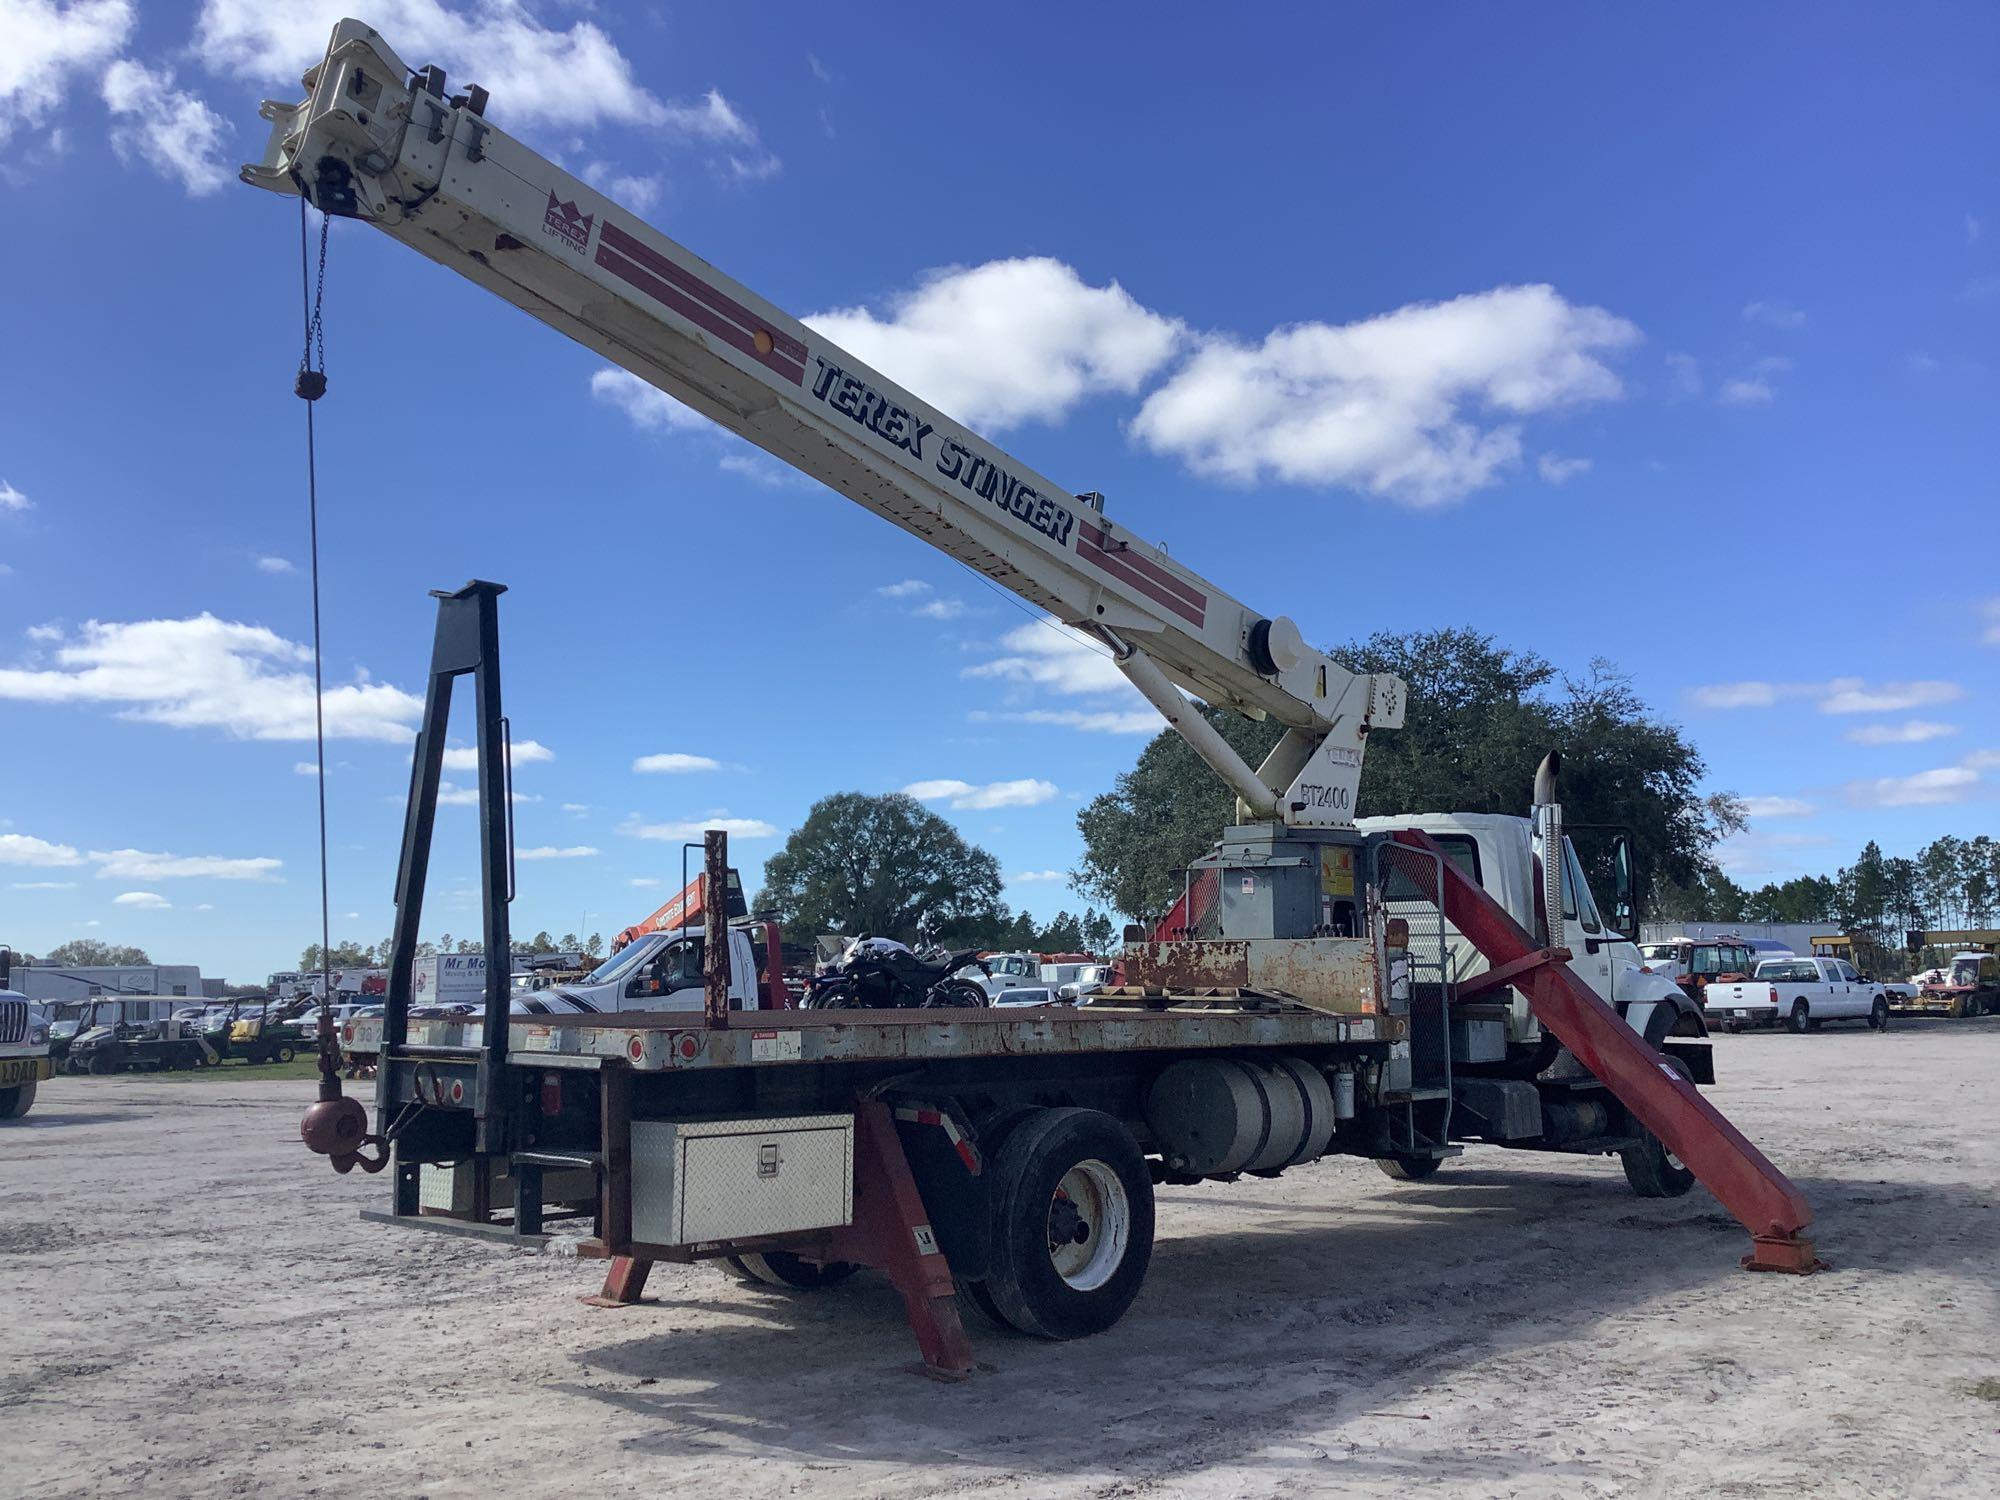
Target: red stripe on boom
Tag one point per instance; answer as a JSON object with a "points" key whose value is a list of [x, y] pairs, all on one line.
{"points": [[669, 285], [1119, 566], [1145, 566]]}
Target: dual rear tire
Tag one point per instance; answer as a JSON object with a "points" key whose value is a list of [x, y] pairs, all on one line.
{"points": [[1071, 1226]]}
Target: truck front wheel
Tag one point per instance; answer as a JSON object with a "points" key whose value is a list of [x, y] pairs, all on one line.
{"points": [[17, 1101], [1072, 1224], [1652, 1170]]}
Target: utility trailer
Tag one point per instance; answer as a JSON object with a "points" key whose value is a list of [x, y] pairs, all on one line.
{"points": [[1360, 991]]}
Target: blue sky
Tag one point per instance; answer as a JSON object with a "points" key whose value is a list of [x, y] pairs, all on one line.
{"points": [[1666, 339]]}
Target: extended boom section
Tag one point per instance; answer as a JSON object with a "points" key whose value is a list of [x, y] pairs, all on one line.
{"points": [[375, 141]]}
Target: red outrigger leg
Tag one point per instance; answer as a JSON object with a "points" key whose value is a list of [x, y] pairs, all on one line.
{"points": [[624, 1280], [1743, 1180], [892, 1232]]}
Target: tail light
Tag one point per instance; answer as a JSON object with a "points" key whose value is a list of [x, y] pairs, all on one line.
{"points": [[1774, 994]]}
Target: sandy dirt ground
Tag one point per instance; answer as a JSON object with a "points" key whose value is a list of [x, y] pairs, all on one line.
{"points": [[189, 1306]]}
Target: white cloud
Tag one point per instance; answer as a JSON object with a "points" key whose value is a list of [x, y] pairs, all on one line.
{"points": [[1747, 390], [640, 194], [1974, 228], [674, 763], [572, 76], [13, 499], [206, 673], [1559, 470], [1983, 760], [275, 565], [1008, 342], [304, 768], [909, 588], [964, 796], [142, 901], [1989, 609], [643, 882], [21, 849], [1145, 720], [1776, 807], [1045, 654], [451, 795], [466, 757], [1031, 877], [1773, 314], [44, 632], [137, 864], [549, 851], [43, 46], [1737, 695], [1850, 695], [171, 130], [1684, 371], [644, 405], [1925, 788], [578, 808], [1912, 732], [1842, 695], [43, 885], [1392, 405], [940, 609], [690, 830]]}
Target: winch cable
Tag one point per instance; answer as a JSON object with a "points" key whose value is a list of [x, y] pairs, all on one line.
{"points": [[309, 387]]}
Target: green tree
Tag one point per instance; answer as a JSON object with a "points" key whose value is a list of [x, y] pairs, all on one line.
{"points": [[90, 953], [884, 865], [344, 956], [1479, 719], [594, 946], [541, 942], [1097, 932], [1063, 935]]}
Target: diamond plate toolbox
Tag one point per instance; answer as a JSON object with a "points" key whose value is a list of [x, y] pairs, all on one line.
{"points": [[697, 1181]]}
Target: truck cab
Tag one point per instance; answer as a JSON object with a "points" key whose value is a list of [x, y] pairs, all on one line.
{"points": [[662, 971], [24, 1047], [1502, 854], [1004, 972]]}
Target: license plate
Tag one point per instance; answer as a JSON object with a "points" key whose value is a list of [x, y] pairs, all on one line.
{"points": [[1739, 1015], [15, 1070]]}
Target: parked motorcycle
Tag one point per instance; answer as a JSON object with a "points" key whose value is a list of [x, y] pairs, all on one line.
{"points": [[897, 981]]}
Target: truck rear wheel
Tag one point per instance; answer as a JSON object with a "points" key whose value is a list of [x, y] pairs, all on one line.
{"points": [[1799, 1021], [1072, 1224], [18, 1100]]}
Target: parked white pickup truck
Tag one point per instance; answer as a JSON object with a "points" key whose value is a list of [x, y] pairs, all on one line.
{"points": [[1799, 992]]}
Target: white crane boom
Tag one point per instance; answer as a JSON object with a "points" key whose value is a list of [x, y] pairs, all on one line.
{"points": [[375, 141]]}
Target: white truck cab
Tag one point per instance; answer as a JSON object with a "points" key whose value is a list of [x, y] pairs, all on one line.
{"points": [[1006, 971], [1502, 853], [24, 1051], [662, 971]]}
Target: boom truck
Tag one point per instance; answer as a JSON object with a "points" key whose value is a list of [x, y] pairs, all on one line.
{"points": [[1388, 991]]}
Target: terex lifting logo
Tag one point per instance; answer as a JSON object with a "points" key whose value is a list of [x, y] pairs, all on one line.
{"points": [[564, 221]]}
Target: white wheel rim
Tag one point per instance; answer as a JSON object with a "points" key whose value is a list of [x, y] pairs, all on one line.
{"points": [[1093, 1190]]}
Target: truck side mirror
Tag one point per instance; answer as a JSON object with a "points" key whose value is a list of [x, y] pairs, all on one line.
{"points": [[1624, 888]]}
